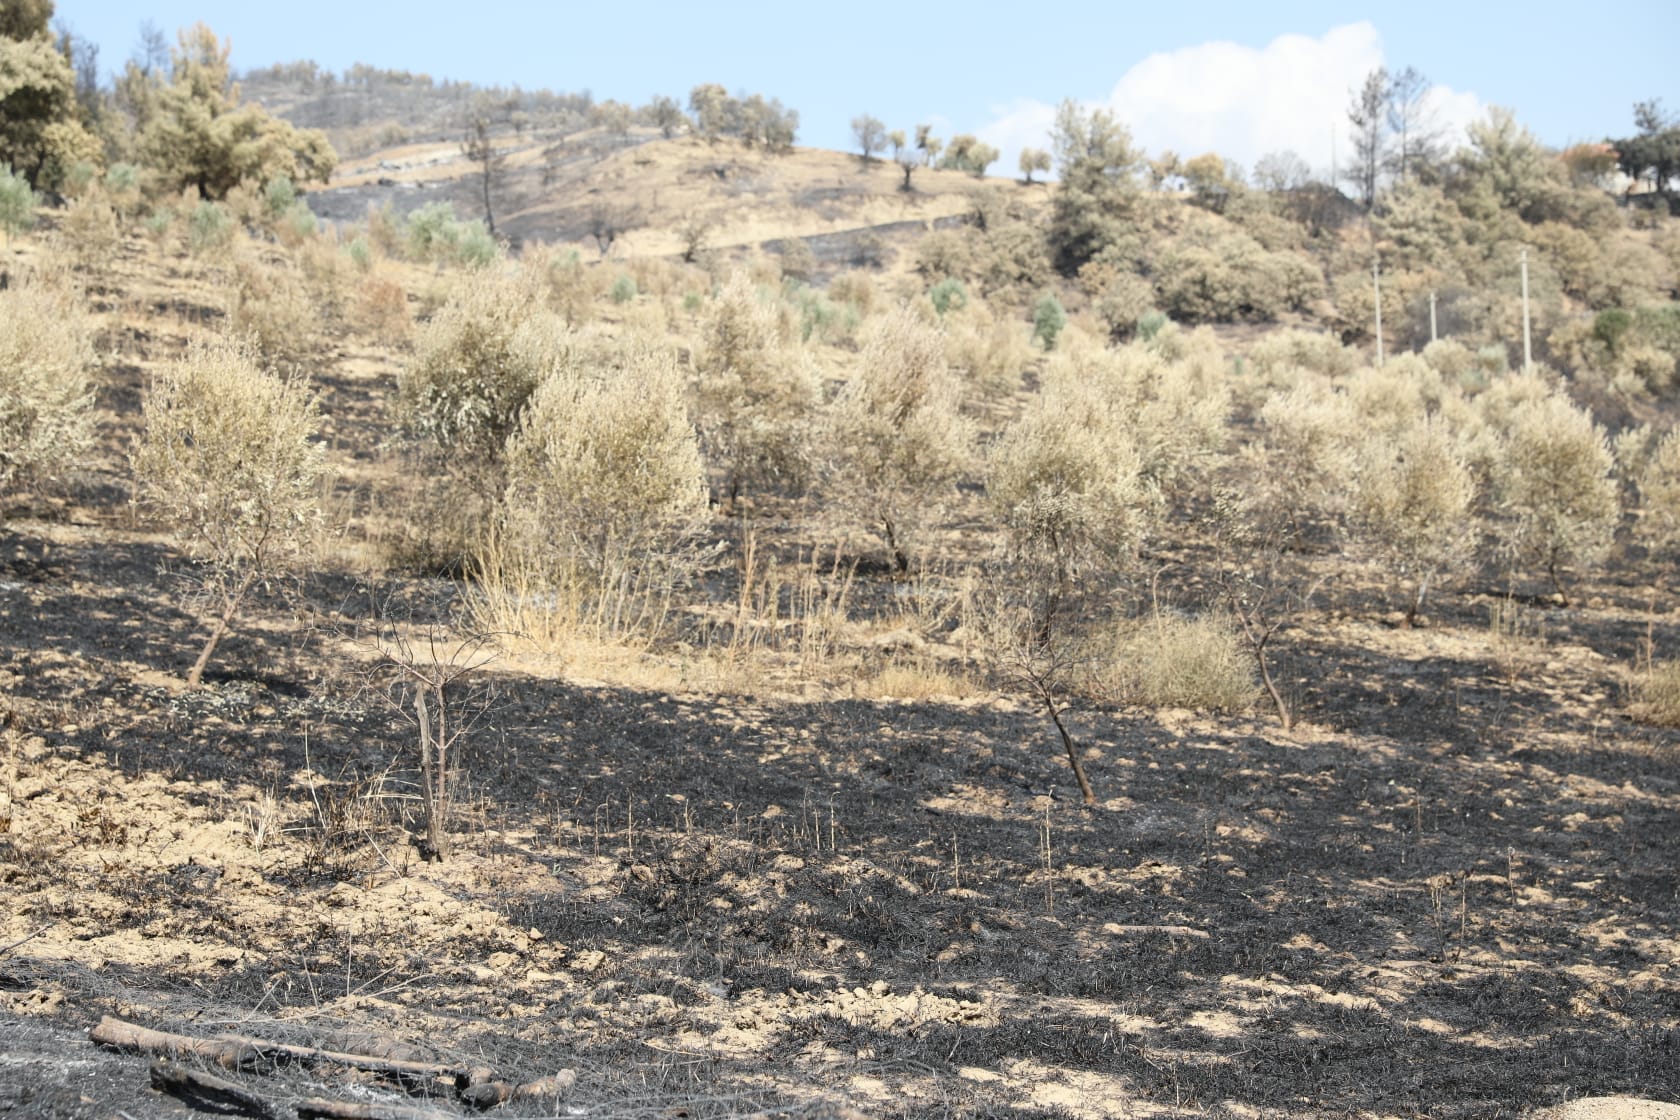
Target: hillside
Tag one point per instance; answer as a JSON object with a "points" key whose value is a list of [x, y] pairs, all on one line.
{"points": [[831, 651], [554, 190]]}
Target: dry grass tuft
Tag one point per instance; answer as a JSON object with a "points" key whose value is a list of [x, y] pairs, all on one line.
{"points": [[1656, 695], [1171, 661], [921, 680]]}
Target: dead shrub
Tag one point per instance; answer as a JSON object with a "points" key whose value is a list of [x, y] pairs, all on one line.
{"points": [[855, 288], [46, 392], [1656, 694], [382, 310], [916, 681], [572, 286], [88, 235], [269, 302], [987, 354]]}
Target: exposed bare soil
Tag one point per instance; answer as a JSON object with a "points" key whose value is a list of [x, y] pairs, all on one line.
{"points": [[1452, 891]]}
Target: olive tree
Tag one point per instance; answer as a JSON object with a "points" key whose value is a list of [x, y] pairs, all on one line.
{"points": [[757, 393], [1413, 506], [228, 456], [196, 134], [1067, 482], [1033, 159], [1554, 488], [606, 490], [464, 392], [870, 135], [899, 442]]}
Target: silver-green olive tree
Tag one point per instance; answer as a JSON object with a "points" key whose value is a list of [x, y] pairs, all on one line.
{"points": [[228, 456]]}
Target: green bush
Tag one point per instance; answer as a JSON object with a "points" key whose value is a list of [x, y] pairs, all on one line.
{"points": [[279, 196], [948, 294], [474, 247], [1610, 325], [209, 228], [120, 178], [17, 202], [361, 254], [159, 222], [476, 363], [432, 233], [81, 176], [623, 290], [1048, 320]]}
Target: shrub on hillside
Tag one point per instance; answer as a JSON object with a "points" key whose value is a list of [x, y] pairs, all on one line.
{"points": [[228, 456], [987, 353], [757, 393], [1173, 410], [210, 228], [1066, 481], [1658, 478], [898, 440], [1278, 353], [268, 303], [46, 394], [1554, 487], [1048, 320], [606, 489], [17, 203], [88, 234], [476, 363], [1413, 506], [1122, 304], [1232, 278]]}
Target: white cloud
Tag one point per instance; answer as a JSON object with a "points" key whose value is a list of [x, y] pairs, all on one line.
{"points": [[1241, 102]]}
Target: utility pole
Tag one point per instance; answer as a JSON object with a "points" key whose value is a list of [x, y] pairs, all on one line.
{"points": [[1528, 350], [1376, 289], [1432, 335]]}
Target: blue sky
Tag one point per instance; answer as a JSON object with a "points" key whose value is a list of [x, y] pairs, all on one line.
{"points": [[1239, 79]]}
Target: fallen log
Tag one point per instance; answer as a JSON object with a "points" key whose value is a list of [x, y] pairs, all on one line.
{"points": [[318, 1109], [195, 1087], [119, 1035], [489, 1094], [233, 1051]]}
